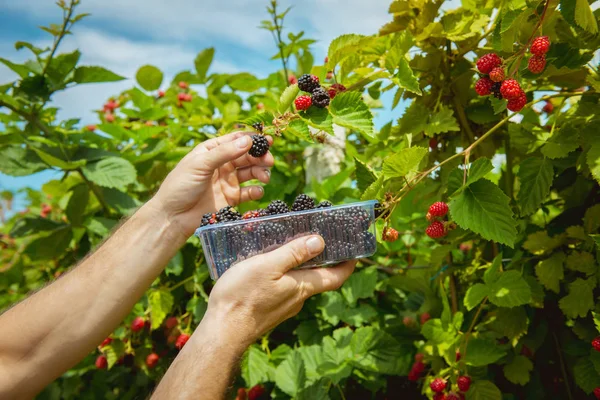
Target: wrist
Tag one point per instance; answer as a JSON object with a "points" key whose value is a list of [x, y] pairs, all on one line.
{"points": [[224, 332], [169, 227]]}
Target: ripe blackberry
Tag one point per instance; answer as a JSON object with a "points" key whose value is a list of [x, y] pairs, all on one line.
{"points": [[518, 103], [510, 89], [308, 83], [303, 103], [254, 214], [536, 64], [369, 241], [324, 204], [320, 97], [258, 126], [379, 210], [483, 86], [488, 62], [277, 207], [260, 146], [540, 46], [497, 74], [303, 202], [209, 219], [227, 214], [496, 90]]}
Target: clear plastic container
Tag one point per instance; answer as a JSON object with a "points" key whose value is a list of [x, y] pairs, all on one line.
{"points": [[348, 231]]}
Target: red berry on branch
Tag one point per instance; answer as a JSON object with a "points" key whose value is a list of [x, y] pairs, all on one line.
{"points": [[91, 128], [518, 103], [110, 106], [418, 367], [109, 117], [452, 396], [597, 392], [138, 324], [106, 342], [548, 107], [464, 383], [260, 106], [171, 322], [526, 351], [483, 86], [161, 93], [408, 321], [183, 85], [536, 64], [390, 235], [413, 376], [488, 62], [497, 74], [424, 318], [439, 396], [510, 89], [458, 356], [433, 143], [436, 230], [101, 362], [256, 391], [292, 79], [596, 343], [241, 394], [326, 59], [438, 209], [329, 75], [540, 46], [438, 385], [303, 103], [182, 340], [430, 217], [465, 247], [419, 357], [152, 360]]}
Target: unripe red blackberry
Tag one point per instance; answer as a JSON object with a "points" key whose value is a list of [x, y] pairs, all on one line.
{"points": [[596, 343], [518, 103], [510, 89], [464, 383], [419, 357], [438, 209], [424, 318], [106, 342], [536, 64], [171, 322], [438, 385], [483, 86], [548, 108], [183, 85], [540, 46], [292, 80], [138, 324], [439, 396], [390, 235], [597, 393], [255, 392], [152, 360], [497, 74], [488, 62], [182, 340], [436, 230], [303, 103], [101, 362]]}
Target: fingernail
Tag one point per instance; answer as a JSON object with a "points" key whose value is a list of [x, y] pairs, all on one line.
{"points": [[268, 172], [260, 190], [314, 244], [242, 142]]}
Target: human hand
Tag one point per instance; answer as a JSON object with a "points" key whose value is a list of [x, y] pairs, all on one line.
{"points": [[259, 293], [208, 178]]}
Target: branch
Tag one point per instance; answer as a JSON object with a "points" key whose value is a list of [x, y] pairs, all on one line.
{"points": [[29, 117], [60, 36], [279, 42]]}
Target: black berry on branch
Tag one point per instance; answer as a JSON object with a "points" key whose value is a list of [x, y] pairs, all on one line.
{"points": [[320, 97], [308, 83], [227, 214], [258, 126], [496, 90], [540, 46], [488, 62], [536, 64], [303, 202], [303, 103], [483, 86], [510, 89], [497, 74], [260, 146], [277, 207]]}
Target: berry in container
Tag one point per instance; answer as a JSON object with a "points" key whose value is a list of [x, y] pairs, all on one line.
{"points": [[348, 231]]}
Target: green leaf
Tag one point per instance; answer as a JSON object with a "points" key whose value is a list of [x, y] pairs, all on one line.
{"points": [[318, 118], [402, 163], [493, 273], [348, 110], [360, 285], [582, 261], [255, 366], [161, 302], [58, 162], [434, 331], [580, 299], [484, 390], [290, 375], [483, 208], [475, 294], [120, 201], [287, 98], [197, 306], [92, 74], [50, 246], [540, 243], [359, 316], [482, 352], [585, 374], [332, 307], [498, 105], [584, 16], [149, 77], [341, 47], [316, 391], [511, 322], [510, 290], [32, 225], [377, 351], [100, 226], [364, 175], [550, 272], [405, 78], [77, 204], [561, 142], [442, 121], [518, 370], [203, 61], [114, 352], [22, 70], [372, 192], [591, 219], [535, 175], [593, 161], [175, 265], [111, 172], [299, 129], [479, 169]]}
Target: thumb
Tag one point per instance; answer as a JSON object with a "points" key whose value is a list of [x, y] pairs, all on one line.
{"points": [[292, 254], [227, 152]]}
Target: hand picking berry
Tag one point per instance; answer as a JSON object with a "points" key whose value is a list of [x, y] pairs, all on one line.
{"points": [[260, 146], [488, 62], [303, 103], [438, 209], [536, 64], [438, 385], [497, 74], [540, 46], [464, 383], [436, 230]]}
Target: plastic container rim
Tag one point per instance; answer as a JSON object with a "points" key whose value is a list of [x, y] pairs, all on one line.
{"points": [[277, 216]]}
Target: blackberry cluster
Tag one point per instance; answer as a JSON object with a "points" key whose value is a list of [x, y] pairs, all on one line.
{"points": [[258, 126], [308, 83], [302, 203], [277, 207], [208, 219], [324, 204], [260, 146], [320, 97], [227, 214]]}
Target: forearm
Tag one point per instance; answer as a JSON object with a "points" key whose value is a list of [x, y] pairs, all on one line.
{"points": [[55, 328], [205, 366]]}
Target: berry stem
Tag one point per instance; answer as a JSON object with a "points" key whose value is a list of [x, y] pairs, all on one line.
{"points": [[277, 37], [471, 327]]}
